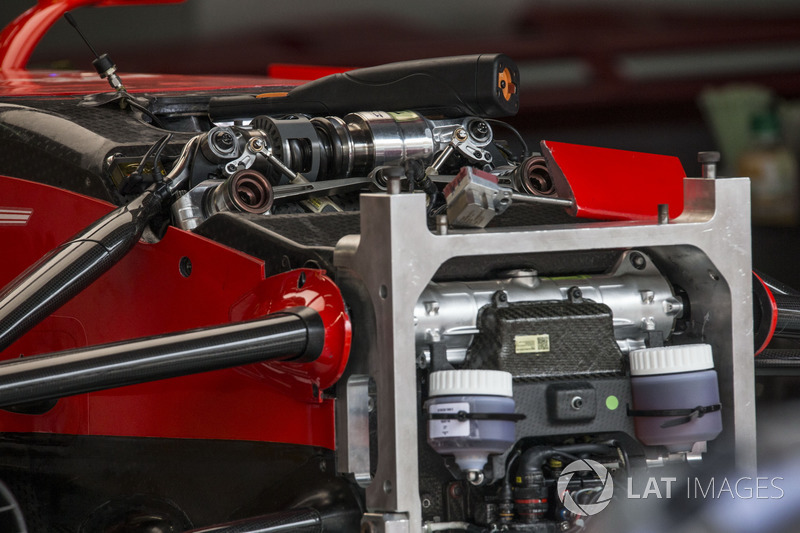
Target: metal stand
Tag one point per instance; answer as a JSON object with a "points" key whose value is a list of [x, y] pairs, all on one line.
{"points": [[706, 251]]}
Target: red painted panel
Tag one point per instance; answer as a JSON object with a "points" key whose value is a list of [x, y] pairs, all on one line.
{"points": [[62, 83], [303, 72], [615, 184], [146, 294]]}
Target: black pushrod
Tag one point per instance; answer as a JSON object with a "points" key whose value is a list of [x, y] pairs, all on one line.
{"points": [[296, 334], [67, 270], [289, 521]]}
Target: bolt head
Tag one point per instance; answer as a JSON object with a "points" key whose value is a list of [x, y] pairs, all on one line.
{"points": [[257, 144], [708, 157], [223, 139]]}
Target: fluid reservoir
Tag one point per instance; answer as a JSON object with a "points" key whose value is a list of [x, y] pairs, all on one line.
{"points": [[675, 396], [471, 416]]}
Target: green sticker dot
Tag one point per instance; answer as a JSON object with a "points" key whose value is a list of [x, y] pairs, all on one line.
{"points": [[612, 402]]}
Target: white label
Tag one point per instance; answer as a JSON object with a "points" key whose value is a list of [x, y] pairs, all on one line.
{"points": [[438, 429], [532, 343]]}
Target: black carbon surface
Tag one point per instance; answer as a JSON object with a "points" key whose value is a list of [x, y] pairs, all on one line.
{"points": [[520, 215], [110, 122], [788, 324], [531, 399], [86, 484], [551, 264], [283, 242], [57, 142], [581, 341]]}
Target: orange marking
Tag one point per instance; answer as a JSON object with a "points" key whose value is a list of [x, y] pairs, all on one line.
{"points": [[505, 84]]}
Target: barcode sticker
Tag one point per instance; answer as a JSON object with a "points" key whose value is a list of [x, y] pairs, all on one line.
{"points": [[532, 343]]}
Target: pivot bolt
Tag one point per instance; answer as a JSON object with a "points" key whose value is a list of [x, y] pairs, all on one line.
{"points": [[479, 130], [709, 161], [257, 144], [223, 140], [638, 261]]}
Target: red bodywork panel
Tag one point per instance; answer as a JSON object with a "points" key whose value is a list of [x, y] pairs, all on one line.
{"points": [[66, 83], [146, 294], [303, 72], [612, 184]]}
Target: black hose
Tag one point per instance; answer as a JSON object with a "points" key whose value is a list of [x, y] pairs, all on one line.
{"points": [[533, 458], [163, 142], [515, 131]]}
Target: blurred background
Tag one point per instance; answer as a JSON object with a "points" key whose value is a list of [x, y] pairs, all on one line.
{"points": [[629, 74], [663, 76]]}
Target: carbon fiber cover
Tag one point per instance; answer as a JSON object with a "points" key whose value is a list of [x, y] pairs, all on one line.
{"points": [[545, 341]]}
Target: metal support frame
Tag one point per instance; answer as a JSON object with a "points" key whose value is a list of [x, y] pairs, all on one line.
{"points": [[706, 250]]}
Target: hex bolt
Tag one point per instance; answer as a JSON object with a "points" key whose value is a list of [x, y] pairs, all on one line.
{"points": [[575, 293], [638, 261], [709, 161]]}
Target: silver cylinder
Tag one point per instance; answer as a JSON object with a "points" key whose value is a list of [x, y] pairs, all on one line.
{"points": [[381, 138], [640, 298]]}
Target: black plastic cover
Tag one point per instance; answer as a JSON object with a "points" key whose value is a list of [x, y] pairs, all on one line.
{"points": [[485, 85]]}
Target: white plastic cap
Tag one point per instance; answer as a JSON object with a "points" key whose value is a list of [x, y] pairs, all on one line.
{"points": [[671, 359], [463, 382]]}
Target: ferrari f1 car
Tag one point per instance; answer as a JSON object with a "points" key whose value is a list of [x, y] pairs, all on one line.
{"points": [[357, 304]]}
